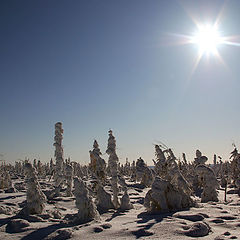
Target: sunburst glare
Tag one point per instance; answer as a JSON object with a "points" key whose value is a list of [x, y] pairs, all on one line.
{"points": [[207, 38]]}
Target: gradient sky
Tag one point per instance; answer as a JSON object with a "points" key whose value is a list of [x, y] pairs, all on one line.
{"points": [[95, 65]]}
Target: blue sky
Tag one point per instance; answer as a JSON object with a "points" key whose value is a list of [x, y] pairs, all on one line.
{"points": [[96, 65]]}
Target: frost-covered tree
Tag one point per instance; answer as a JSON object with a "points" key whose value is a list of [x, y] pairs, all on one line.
{"points": [[209, 182], [97, 164], [69, 179], [87, 210], [35, 196], [113, 166], [58, 177]]}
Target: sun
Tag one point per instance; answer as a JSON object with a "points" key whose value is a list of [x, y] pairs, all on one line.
{"points": [[208, 39]]}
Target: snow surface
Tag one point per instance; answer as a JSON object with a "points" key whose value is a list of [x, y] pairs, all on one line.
{"points": [[223, 219]]}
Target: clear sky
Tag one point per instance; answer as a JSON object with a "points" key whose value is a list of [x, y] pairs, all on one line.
{"points": [[100, 64]]}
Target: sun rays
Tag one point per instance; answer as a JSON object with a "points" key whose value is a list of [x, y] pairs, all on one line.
{"points": [[208, 37]]}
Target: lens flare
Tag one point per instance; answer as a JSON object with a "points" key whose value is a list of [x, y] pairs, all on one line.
{"points": [[207, 39]]}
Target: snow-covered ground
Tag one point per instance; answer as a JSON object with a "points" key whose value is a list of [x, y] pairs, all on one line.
{"points": [[223, 219]]}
